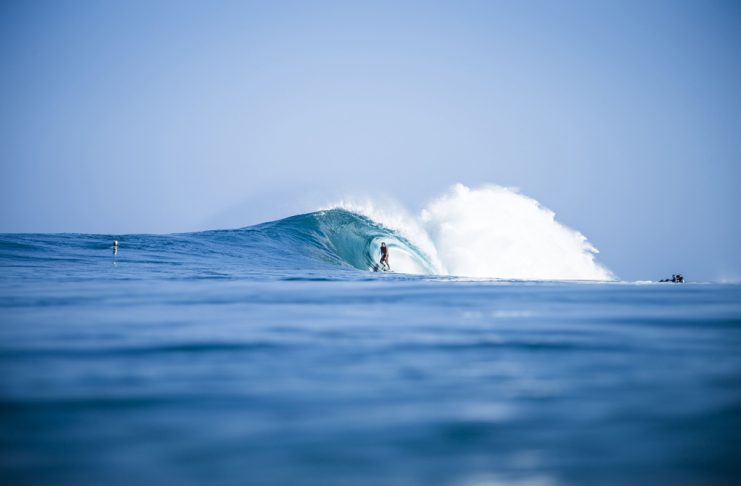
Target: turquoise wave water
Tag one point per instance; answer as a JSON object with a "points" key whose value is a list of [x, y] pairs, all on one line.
{"points": [[323, 241]]}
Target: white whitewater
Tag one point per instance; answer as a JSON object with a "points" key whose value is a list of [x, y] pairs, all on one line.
{"points": [[490, 232]]}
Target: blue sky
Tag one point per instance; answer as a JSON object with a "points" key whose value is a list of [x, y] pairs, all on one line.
{"points": [[147, 116]]}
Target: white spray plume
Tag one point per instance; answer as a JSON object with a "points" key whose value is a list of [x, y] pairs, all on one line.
{"points": [[492, 232]]}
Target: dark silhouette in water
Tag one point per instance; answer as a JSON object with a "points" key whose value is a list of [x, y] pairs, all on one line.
{"points": [[385, 257], [383, 264], [676, 278]]}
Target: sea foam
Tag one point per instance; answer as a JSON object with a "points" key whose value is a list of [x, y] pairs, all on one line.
{"points": [[490, 232]]}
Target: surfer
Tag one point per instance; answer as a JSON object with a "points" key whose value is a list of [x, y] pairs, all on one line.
{"points": [[385, 257]]}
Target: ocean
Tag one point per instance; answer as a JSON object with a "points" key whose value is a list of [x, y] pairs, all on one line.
{"points": [[274, 354]]}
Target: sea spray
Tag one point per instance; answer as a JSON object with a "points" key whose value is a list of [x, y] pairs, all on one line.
{"points": [[497, 232], [490, 232]]}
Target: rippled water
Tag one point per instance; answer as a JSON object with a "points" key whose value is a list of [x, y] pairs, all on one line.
{"points": [[182, 372]]}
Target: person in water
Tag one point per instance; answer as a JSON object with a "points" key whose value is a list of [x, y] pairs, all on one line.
{"points": [[385, 256]]}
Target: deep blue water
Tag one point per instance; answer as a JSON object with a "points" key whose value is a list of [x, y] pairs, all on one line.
{"points": [[270, 355]]}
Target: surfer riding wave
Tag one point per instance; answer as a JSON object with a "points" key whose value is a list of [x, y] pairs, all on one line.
{"points": [[384, 257]]}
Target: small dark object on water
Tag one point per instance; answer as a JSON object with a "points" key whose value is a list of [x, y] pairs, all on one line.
{"points": [[676, 278]]}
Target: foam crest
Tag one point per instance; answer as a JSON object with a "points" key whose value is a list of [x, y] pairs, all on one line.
{"points": [[497, 232]]}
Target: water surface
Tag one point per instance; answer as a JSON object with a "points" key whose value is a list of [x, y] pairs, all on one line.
{"points": [[227, 358]]}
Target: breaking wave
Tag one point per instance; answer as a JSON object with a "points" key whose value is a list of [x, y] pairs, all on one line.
{"points": [[489, 232]]}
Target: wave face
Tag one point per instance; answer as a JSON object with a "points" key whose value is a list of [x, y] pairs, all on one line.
{"points": [[346, 238], [490, 232]]}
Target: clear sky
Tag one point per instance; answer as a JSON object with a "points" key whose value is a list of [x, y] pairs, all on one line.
{"points": [[149, 116]]}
